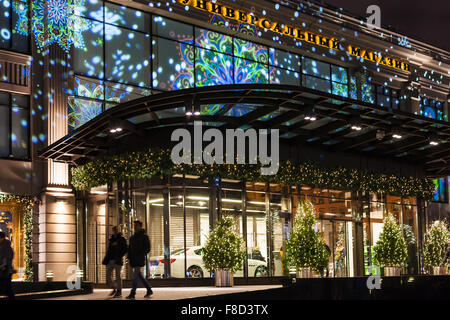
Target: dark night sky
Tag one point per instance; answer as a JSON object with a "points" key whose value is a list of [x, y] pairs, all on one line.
{"points": [[425, 20]]}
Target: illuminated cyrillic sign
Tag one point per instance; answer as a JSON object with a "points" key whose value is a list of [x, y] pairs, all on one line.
{"points": [[294, 32]]}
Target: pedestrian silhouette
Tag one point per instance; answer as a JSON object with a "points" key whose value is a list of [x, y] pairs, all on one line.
{"points": [[117, 248], [138, 248], [6, 268]]}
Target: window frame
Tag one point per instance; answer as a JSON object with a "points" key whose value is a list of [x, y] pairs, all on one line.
{"points": [[11, 156], [13, 27]]}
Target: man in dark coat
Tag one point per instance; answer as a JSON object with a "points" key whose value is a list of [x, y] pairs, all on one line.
{"points": [[117, 248], [6, 269], [137, 251]]}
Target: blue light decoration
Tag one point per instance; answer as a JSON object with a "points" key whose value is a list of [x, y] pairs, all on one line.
{"points": [[21, 9], [404, 42], [432, 108], [81, 111], [54, 21], [366, 88], [441, 192]]}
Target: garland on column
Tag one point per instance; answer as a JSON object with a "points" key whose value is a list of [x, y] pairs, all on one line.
{"points": [[27, 205], [141, 165]]}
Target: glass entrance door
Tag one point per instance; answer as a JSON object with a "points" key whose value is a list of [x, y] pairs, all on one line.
{"points": [[338, 236]]}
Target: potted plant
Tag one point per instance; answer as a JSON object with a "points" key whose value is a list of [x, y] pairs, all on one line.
{"points": [[435, 247], [391, 250], [305, 248], [224, 252]]}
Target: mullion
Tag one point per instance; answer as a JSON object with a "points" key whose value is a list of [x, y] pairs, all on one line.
{"points": [[195, 60], [10, 126]]}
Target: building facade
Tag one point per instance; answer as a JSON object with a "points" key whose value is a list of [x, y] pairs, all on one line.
{"points": [[362, 115]]}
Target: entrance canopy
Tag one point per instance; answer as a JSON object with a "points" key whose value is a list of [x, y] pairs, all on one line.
{"points": [[302, 115]]}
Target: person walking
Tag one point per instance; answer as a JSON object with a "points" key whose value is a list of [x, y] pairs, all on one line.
{"points": [[138, 248], [6, 269], [117, 248]]}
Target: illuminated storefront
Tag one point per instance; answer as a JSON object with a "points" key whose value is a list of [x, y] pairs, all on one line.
{"points": [[363, 106], [178, 218], [127, 61]]}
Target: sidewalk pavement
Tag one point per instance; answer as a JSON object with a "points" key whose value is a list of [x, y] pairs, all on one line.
{"points": [[173, 293]]}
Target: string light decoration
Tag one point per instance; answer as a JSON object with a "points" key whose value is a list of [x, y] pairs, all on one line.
{"points": [[26, 204], [305, 247], [153, 162], [224, 249], [391, 249]]}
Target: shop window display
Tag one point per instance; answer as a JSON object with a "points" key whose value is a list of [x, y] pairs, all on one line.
{"points": [[11, 224]]}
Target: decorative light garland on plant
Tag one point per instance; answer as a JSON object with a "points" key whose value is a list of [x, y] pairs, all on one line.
{"points": [[142, 165], [26, 202]]}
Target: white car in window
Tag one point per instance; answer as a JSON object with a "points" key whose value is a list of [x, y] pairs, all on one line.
{"points": [[195, 267]]}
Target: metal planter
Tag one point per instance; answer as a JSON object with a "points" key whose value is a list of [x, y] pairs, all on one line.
{"points": [[305, 273], [223, 278], [439, 271], [392, 271]]}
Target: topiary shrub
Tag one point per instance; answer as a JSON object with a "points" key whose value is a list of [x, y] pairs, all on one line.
{"points": [[435, 244], [391, 248], [305, 247], [224, 249]]}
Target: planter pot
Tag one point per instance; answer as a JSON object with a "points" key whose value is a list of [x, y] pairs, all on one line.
{"points": [[439, 271], [305, 273], [223, 278], [392, 271]]}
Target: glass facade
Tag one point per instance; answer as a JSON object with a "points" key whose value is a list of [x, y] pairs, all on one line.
{"points": [[432, 108], [14, 26], [14, 126], [127, 53], [179, 213]]}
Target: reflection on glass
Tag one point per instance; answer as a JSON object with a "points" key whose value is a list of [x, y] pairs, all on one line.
{"points": [[197, 231], [173, 65], [257, 247], [155, 221]]}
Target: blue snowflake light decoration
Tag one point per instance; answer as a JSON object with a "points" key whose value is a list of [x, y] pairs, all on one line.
{"points": [[54, 21]]}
